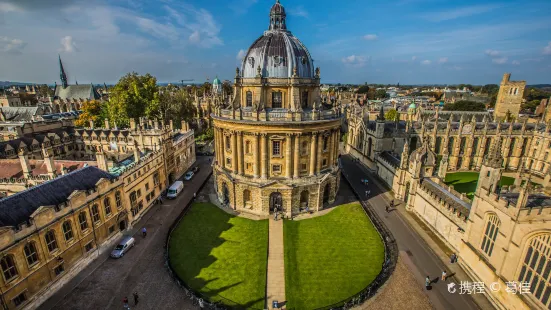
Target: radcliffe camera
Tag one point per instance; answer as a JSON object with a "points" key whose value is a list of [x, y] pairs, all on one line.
{"points": [[275, 154]]}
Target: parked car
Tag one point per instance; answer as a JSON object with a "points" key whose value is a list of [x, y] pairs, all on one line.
{"points": [[189, 175], [175, 189], [123, 246], [195, 169]]}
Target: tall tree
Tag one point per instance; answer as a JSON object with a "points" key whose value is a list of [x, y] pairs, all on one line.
{"points": [[91, 111], [392, 115], [175, 104], [132, 97], [380, 94]]}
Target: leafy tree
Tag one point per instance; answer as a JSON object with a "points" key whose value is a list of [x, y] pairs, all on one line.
{"points": [[175, 104], [227, 88], [91, 111], [532, 94], [132, 97], [490, 89], [392, 115], [530, 105], [465, 105], [381, 93], [364, 89]]}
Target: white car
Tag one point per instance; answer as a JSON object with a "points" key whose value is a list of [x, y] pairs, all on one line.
{"points": [[189, 175]]}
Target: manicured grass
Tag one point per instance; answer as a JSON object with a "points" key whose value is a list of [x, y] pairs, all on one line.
{"points": [[465, 182], [331, 257], [221, 255]]}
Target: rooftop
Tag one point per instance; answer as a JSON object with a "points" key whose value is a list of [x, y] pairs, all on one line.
{"points": [[11, 168]]}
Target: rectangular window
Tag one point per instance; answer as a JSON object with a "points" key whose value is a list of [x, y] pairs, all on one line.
{"points": [[325, 143], [156, 179], [228, 143], [111, 229], [59, 269], [89, 246], [276, 169], [249, 99], [228, 162], [249, 166], [304, 99], [133, 199], [248, 147], [139, 193], [20, 299], [277, 100], [276, 148], [324, 162], [303, 167], [147, 187]]}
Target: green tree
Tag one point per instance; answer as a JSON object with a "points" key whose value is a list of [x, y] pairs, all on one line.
{"points": [[364, 89], [91, 111], [531, 105], [134, 96], [380, 94], [175, 104], [392, 115], [227, 88], [465, 105]]}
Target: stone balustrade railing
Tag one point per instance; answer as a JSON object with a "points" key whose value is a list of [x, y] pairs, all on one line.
{"points": [[279, 115]]}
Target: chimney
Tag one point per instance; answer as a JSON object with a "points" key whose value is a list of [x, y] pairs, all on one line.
{"points": [[101, 159], [171, 125], [156, 123], [91, 124], [136, 154], [50, 164], [25, 164], [132, 124], [107, 124], [184, 124]]}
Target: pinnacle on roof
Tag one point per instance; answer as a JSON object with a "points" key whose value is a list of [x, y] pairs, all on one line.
{"points": [[494, 158], [381, 116], [62, 74]]}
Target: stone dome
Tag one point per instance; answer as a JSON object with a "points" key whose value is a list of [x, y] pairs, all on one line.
{"points": [[277, 52]]}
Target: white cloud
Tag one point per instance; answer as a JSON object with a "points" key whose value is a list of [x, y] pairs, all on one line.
{"points": [[460, 12], [370, 37], [355, 60], [547, 49], [298, 11], [195, 37], [11, 46], [500, 60], [443, 60], [492, 53], [202, 28], [68, 45], [515, 62], [425, 62], [241, 54]]}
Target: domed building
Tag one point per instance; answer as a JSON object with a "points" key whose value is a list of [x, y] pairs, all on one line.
{"points": [[216, 86], [276, 142]]}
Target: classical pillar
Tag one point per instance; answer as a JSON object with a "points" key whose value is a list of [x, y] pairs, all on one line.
{"points": [[296, 170], [331, 149], [264, 155], [319, 150], [288, 156], [337, 149], [221, 148], [240, 153], [313, 153], [234, 151], [256, 157]]}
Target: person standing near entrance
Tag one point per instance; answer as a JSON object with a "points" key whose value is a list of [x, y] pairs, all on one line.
{"points": [[427, 282]]}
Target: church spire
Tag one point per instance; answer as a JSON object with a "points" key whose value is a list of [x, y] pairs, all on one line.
{"points": [[62, 74]]}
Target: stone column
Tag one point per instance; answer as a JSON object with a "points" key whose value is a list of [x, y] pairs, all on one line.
{"points": [[256, 157], [296, 171], [217, 146], [337, 147], [288, 156], [264, 155], [234, 151], [319, 150], [240, 158], [313, 153], [222, 149], [331, 149]]}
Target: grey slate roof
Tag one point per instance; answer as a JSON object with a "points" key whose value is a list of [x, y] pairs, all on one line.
{"points": [[15, 114], [17, 209], [87, 92]]}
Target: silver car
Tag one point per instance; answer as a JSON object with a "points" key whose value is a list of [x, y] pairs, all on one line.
{"points": [[123, 246]]}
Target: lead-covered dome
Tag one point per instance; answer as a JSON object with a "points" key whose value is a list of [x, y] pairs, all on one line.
{"points": [[277, 52]]}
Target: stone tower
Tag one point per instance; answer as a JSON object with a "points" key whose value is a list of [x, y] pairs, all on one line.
{"points": [[490, 171], [509, 97]]}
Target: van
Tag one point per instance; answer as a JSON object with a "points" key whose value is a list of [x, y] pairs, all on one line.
{"points": [[123, 246], [175, 189]]}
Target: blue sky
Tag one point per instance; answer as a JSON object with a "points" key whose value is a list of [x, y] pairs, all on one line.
{"points": [[353, 41]]}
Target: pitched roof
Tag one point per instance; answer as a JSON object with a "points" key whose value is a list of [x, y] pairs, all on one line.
{"points": [[77, 92], [15, 114], [11, 168], [17, 209]]}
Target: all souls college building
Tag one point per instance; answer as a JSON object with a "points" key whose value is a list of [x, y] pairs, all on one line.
{"points": [[503, 234], [276, 141]]}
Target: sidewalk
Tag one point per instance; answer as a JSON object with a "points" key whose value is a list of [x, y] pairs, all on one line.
{"points": [[276, 264]]}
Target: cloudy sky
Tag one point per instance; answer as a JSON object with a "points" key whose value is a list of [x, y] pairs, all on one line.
{"points": [[353, 41]]}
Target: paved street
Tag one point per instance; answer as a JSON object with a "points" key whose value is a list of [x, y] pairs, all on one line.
{"points": [[105, 282], [420, 259]]}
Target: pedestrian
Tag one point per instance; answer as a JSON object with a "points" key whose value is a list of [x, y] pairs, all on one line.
{"points": [[275, 215], [136, 298], [125, 303], [366, 193], [444, 275], [386, 208], [427, 282], [453, 258], [392, 203], [194, 195], [144, 232]]}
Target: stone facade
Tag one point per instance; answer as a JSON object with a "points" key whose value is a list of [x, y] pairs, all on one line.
{"points": [[509, 98]]}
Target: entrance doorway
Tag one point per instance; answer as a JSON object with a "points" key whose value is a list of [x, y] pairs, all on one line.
{"points": [[326, 193], [304, 199], [276, 202], [122, 225], [225, 194]]}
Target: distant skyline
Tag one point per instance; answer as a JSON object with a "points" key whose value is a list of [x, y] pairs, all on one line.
{"points": [[405, 41]]}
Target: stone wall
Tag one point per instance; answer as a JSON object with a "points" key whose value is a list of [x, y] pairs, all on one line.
{"points": [[509, 97]]}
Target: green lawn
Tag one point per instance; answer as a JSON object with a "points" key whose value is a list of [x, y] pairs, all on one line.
{"points": [[331, 257], [465, 182], [221, 255]]}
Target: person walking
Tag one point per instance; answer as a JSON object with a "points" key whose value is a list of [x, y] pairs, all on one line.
{"points": [[125, 303], [194, 195], [144, 232], [392, 203], [444, 275], [386, 209], [427, 282], [453, 258], [136, 298], [275, 215]]}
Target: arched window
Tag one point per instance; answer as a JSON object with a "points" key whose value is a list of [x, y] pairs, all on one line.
{"points": [[490, 234], [438, 145], [487, 146], [536, 268], [83, 221], [249, 99], [475, 146], [67, 231], [95, 214], [8, 267], [107, 205], [462, 145], [30, 253], [304, 99], [118, 200], [325, 143], [248, 147], [51, 242], [304, 149], [450, 145], [247, 198]]}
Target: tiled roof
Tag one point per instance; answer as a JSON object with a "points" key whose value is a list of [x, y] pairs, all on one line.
{"points": [[449, 198], [11, 168], [15, 114], [17, 209], [86, 92]]}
